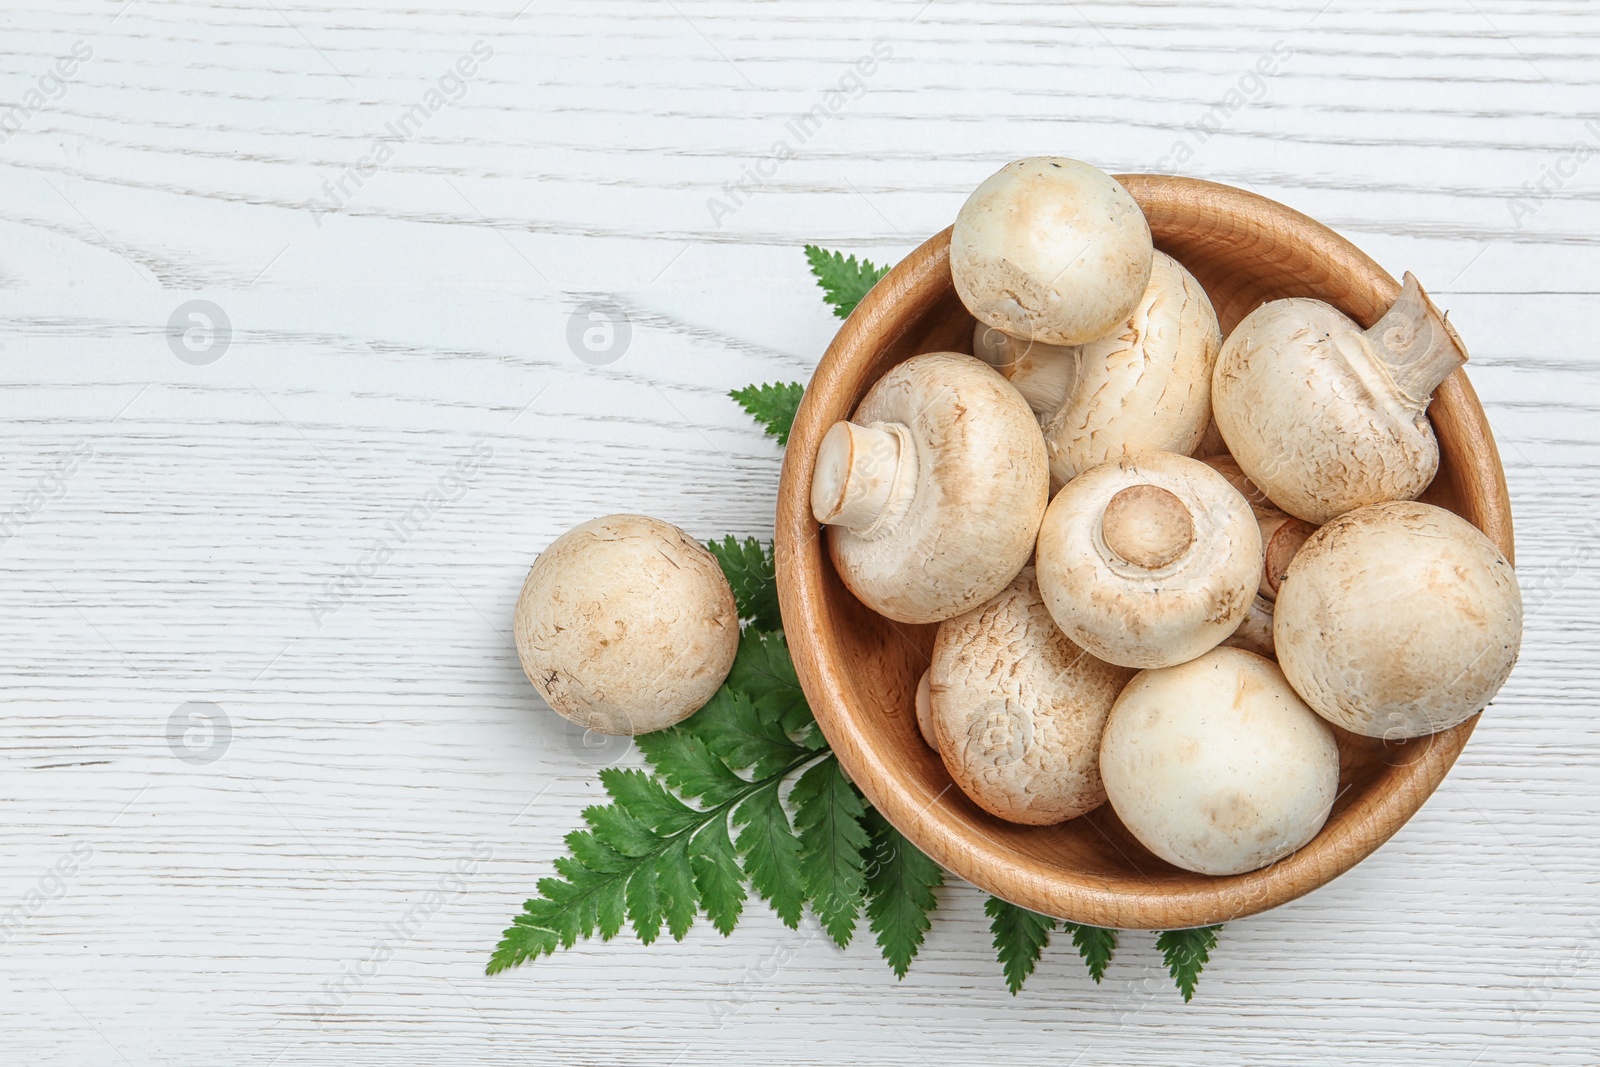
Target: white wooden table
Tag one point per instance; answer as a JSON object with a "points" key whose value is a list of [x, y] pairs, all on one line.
{"points": [[398, 310]]}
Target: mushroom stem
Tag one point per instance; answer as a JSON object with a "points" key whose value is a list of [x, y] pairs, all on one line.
{"points": [[1147, 526], [1045, 375], [1417, 343], [865, 476]]}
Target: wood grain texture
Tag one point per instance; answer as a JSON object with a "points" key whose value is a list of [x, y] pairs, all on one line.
{"points": [[372, 753]]}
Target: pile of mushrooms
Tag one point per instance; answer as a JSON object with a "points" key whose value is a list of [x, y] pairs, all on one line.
{"points": [[1166, 568]]}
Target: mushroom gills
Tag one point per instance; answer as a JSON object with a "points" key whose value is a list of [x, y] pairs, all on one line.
{"points": [[1281, 537]]}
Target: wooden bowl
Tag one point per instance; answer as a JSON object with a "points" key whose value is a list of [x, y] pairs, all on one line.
{"points": [[860, 670]]}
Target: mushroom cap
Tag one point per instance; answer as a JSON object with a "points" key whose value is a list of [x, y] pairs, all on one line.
{"points": [[982, 484], [1255, 632], [1397, 620], [1043, 374], [1018, 709], [1157, 616], [1052, 249], [1147, 386], [1211, 442], [1225, 465], [626, 624], [1216, 765], [925, 711], [1282, 538], [1313, 417]]}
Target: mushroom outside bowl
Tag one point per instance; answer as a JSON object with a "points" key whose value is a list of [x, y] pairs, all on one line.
{"points": [[860, 670]]}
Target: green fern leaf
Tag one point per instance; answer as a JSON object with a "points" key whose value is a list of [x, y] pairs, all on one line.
{"points": [[717, 875], [764, 670], [844, 282], [773, 406], [742, 735], [1020, 938], [1096, 945], [1186, 953], [900, 885], [828, 814], [750, 571], [771, 854], [688, 766]]}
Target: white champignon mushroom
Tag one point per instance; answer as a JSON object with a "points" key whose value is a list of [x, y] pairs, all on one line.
{"points": [[1282, 537], [933, 492], [1211, 442], [1281, 534], [925, 711], [1050, 249], [626, 624], [1326, 417], [1018, 709], [1149, 560], [1255, 632], [1225, 466], [1144, 388], [1398, 619], [1044, 374], [1216, 765]]}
